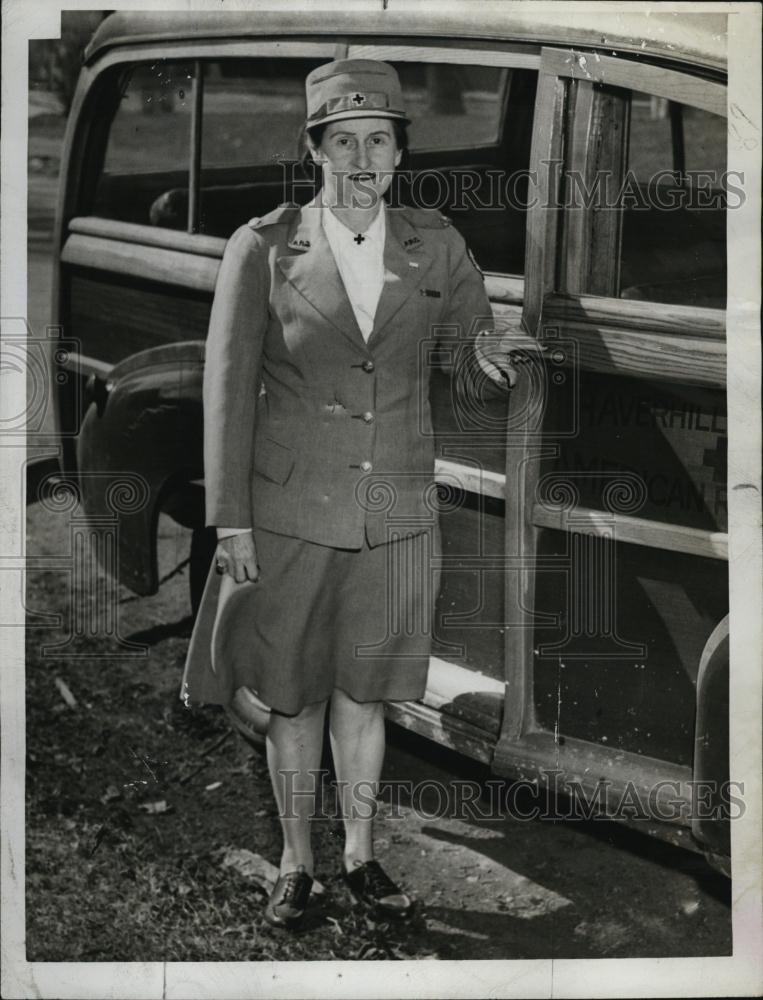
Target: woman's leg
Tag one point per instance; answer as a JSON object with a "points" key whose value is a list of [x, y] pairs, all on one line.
{"points": [[294, 745], [357, 744]]}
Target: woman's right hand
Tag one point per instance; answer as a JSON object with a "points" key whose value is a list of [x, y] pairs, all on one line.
{"points": [[238, 554]]}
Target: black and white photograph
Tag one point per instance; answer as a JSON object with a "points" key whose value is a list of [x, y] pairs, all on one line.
{"points": [[381, 564]]}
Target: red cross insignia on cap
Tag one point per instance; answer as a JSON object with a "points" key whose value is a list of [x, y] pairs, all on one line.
{"points": [[359, 99]]}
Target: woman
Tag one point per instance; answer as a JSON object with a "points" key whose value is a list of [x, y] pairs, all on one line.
{"points": [[319, 486]]}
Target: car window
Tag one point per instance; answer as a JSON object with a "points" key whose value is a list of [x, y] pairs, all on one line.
{"points": [[658, 231], [254, 110], [469, 140], [674, 245], [453, 106], [252, 120], [668, 136], [146, 159], [469, 147]]}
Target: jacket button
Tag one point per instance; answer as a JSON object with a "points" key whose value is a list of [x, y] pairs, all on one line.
{"points": [[368, 366], [368, 417], [366, 467]]}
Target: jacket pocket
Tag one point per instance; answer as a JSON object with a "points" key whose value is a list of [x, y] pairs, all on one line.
{"points": [[273, 461]]}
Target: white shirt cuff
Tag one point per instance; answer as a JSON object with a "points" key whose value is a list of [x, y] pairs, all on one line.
{"points": [[229, 532]]}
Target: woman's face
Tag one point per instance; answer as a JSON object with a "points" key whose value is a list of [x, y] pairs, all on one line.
{"points": [[358, 157]]}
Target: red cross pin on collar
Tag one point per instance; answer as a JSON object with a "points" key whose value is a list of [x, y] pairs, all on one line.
{"points": [[359, 99]]}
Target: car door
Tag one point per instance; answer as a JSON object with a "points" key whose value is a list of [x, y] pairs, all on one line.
{"points": [[621, 550]]}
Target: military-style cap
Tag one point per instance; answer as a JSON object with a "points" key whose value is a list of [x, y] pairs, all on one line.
{"points": [[353, 88]]}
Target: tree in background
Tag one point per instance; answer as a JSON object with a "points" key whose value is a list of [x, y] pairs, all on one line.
{"points": [[54, 64]]}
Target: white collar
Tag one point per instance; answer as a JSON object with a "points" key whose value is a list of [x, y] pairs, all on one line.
{"points": [[375, 232]]}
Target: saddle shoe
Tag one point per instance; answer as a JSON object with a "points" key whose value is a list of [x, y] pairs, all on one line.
{"points": [[371, 885], [289, 898]]}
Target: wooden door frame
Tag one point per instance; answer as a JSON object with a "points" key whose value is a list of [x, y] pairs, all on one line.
{"points": [[685, 343]]}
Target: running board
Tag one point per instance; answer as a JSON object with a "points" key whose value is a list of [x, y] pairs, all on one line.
{"points": [[447, 730]]}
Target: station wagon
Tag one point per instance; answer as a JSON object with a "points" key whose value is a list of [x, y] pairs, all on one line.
{"points": [[581, 627]]}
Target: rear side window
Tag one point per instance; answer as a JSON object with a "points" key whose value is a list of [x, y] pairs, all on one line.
{"points": [[469, 146], [453, 106], [674, 225], [252, 120], [254, 110], [144, 178], [654, 228]]}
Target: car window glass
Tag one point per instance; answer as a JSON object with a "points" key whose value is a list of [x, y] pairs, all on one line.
{"points": [[649, 149], [254, 110], [666, 135], [253, 115], [469, 147], [656, 230], [704, 137], [144, 178], [467, 122], [470, 136], [674, 228], [452, 106]]}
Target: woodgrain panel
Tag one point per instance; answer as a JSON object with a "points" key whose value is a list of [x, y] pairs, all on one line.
{"points": [[153, 263], [650, 317], [151, 236], [464, 737], [471, 479], [440, 54], [542, 216], [660, 356], [657, 80], [635, 530], [115, 316], [598, 141]]}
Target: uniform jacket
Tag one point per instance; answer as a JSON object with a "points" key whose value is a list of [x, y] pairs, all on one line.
{"points": [[291, 458], [338, 444]]}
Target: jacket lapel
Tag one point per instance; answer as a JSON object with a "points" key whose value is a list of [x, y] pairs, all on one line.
{"points": [[310, 267], [405, 264]]}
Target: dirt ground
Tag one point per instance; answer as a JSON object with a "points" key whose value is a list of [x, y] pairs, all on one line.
{"points": [[133, 800]]}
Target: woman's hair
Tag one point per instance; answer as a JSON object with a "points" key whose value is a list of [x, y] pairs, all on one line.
{"points": [[314, 136]]}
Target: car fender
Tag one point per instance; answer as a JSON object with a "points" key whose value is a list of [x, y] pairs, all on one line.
{"points": [[710, 813], [144, 420]]}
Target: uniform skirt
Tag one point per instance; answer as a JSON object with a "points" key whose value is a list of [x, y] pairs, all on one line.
{"points": [[317, 618]]}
